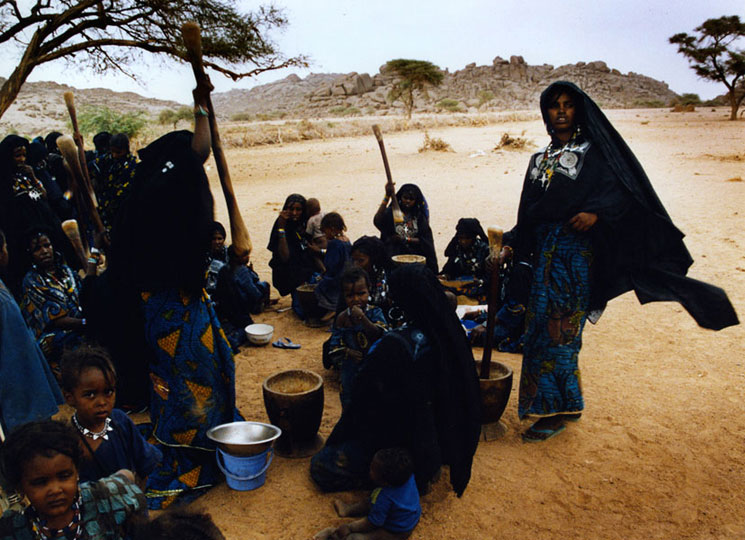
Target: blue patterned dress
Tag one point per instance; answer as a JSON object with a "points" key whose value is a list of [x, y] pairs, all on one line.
{"points": [[193, 380]]}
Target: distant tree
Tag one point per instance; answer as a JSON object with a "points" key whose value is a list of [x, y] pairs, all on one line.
{"points": [[110, 34], [689, 99], [412, 75], [96, 119], [713, 55], [174, 116]]}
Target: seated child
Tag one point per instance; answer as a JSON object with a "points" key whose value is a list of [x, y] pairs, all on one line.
{"points": [[41, 460], [108, 438], [356, 328], [313, 225], [218, 257], [467, 253], [239, 293], [370, 254], [178, 523], [393, 510], [334, 260]]}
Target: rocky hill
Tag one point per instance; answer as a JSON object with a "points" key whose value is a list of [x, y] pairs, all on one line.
{"points": [[503, 85], [40, 106], [506, 84]]}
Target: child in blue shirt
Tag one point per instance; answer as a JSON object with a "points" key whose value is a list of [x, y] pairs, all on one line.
{"points": [[108, 438], [393, 510], [355, 329]]}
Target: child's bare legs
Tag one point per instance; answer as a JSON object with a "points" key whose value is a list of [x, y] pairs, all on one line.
{"points": [[354, 509]]}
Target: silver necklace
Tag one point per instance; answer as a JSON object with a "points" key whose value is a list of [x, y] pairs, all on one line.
{"points": [[95, 435]]}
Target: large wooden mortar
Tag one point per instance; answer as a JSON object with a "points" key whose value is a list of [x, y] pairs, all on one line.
{"points": [[495, 394], [294, 403]]}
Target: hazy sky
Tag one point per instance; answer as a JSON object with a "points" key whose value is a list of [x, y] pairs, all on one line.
{"points": [[361, 35]]}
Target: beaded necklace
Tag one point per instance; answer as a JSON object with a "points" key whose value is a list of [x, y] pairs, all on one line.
{"points": [[71, 531]]}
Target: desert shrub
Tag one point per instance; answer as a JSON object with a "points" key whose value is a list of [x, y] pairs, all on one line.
{"points": [[271, 115], [434, 144], [683, 108], [242, 117], [342, 110], [508, 142], [650, 104], [94, 119], [451, 105], [174, 116], [485, 96]]}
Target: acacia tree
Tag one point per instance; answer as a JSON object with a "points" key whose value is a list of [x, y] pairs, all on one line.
{"points": [[713, 55], [412, 75], [111, 34]]}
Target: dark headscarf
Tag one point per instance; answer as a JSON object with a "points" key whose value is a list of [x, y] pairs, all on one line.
{"points": [[217, 227], [649, 254], [297, 198], [420, 205], [469, 227], [36, 154], [7, 163], [51, 141], [374, 248]]}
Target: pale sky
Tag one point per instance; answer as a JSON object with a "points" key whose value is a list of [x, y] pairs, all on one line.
{"points": [[361, 35]]}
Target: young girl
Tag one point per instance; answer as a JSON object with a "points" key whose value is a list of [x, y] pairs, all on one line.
{"points": [[336, 256], [40, 460], [109, 439], [413, 235], [218, 257], [393, 510], [355, 330], [369, 253]]}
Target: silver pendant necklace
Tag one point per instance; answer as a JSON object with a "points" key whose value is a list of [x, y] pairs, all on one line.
{"points": [[95, 435]]}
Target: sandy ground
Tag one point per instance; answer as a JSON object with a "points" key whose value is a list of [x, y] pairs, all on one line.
{"points": [[659, 451]]}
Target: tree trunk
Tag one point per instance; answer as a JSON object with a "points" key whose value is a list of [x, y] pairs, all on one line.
{"points": [[12, 86], [734, 104]]}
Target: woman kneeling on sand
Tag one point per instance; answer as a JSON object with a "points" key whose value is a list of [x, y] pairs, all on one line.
{"points": [[416, 389]]}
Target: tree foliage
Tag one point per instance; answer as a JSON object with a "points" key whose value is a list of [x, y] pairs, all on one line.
{"points": [[94, 120], [412, 75], [174, 116], [111, 34], [713, 55]]}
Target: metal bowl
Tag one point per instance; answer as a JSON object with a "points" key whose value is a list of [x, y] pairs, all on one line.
{"points": [[259, 334], [244, 438]]}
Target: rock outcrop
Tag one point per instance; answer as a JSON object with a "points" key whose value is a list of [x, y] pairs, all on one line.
{"points": [[505, 84]]}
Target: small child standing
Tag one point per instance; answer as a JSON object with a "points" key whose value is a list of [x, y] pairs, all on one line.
{"points": [[354, 331], [393, 510], [335, 258], [109, 439], [40, 460]]}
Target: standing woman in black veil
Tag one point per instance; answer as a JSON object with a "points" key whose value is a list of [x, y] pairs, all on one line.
{"points": [[591, 226]]}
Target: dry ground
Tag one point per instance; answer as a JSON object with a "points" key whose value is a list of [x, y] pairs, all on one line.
{"points": [[659, 452]]}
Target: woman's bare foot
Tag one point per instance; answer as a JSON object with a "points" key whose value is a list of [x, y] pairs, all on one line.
{"points": [[325, 533]]}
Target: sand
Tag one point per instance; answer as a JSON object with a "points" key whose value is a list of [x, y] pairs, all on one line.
{"points": [[659, 451]]}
